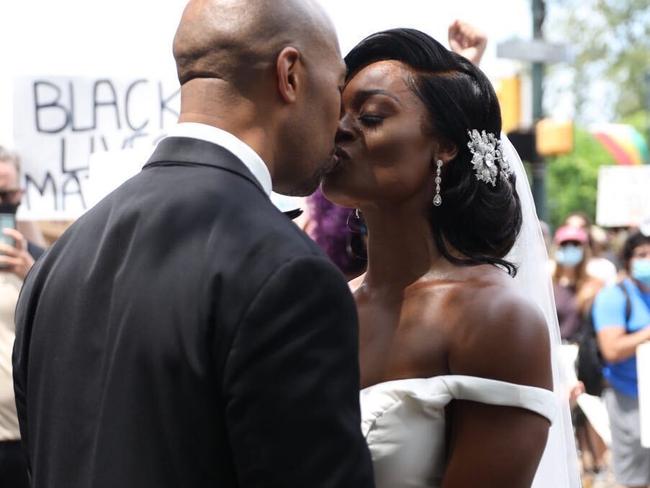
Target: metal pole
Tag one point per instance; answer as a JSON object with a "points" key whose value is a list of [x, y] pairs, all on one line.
{"points": [[647, 109], [539, 166]]}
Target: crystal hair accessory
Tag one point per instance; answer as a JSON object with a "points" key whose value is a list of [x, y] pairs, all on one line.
{"points": [[487, 157]]}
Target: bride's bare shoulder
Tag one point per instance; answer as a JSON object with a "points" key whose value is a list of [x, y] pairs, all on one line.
{"points": [[502, 335]]}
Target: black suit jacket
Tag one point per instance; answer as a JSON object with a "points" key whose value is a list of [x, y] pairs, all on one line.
{"points": [[34, 250], [184, 333]]}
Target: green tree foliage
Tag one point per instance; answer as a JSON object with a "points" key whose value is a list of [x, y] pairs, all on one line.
{"points": [[611, 43], [572, 179], [640, 120]]}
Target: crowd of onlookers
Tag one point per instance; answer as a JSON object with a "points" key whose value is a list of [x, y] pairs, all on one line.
{"points": [[17, 255], [602, 287]]}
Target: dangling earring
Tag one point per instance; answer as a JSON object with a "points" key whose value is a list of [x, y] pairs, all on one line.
{"points": [[357, 213], [437, 199]]}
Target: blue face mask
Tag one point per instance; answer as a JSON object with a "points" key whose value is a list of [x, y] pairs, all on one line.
{"points": [[641, 271], [569, 256]]}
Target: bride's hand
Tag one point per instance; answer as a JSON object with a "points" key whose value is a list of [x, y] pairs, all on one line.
{"points": [[467, 40]]}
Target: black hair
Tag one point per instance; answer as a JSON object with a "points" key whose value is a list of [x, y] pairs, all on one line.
{"points": [[631, 243], [478, 220]]}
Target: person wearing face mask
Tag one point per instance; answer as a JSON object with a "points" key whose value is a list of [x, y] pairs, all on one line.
{"points": [[17, 256], [622, 322], [574, 288]]}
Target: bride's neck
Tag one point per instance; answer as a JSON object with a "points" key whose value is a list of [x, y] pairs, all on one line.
{"points": [[401, 248]]}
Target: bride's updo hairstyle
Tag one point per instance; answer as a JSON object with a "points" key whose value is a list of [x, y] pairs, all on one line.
{"points": [[477, 219]]}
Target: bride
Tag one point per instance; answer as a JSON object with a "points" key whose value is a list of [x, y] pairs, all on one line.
{"points": [[457, 363]]}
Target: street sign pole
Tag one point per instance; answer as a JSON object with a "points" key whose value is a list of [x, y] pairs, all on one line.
{"points": [[539, 166], [647, 107], [538, 53]]}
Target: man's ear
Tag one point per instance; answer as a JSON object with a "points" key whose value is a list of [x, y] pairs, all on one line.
{"points": [[287, 69]]}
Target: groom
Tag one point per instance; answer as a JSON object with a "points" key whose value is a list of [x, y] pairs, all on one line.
{"points": [[184, 333]]}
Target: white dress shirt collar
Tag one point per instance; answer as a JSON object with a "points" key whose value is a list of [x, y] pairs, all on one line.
{"points": [[232, 143]]}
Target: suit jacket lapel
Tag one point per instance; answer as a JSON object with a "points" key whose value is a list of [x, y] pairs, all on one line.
{"points": [[185, 150]]}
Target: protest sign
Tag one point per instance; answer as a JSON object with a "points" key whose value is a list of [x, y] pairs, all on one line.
{"points": [[623, 196], [59, 122]]}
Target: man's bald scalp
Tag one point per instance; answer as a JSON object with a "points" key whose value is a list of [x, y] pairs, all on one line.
{"points": [[235, 40]]}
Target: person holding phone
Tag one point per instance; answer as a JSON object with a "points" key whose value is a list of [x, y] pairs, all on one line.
{"points": [[17, 256]]}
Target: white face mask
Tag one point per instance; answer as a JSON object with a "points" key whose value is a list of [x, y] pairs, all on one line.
{"points": [[641, 271], [569, 256]]}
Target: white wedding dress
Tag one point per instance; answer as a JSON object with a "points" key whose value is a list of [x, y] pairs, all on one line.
{"points": [[403, 422]]}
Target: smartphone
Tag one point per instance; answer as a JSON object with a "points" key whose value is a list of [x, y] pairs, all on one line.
{"points": [[7, 221]]}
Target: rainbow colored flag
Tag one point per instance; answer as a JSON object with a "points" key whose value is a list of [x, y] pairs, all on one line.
{"points": [[626, 145]]}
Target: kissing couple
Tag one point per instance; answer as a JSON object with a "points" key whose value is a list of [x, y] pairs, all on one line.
{"points": [[185, 333]]}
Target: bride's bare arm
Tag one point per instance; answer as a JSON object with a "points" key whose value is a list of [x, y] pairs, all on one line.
{"points": [[504, 338]]}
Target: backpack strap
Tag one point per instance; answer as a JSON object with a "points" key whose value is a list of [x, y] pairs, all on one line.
{"points": [[628, 304]]}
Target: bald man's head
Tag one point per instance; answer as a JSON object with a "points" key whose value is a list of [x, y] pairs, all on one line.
{"points": [[270, 72], [236, 40]]}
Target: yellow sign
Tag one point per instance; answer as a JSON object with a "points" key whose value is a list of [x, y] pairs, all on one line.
{"points": [[509, 95], [554, 137]]}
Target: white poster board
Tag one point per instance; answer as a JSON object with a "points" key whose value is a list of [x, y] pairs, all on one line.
{"points": [[107, 170], [623, 196], [592, 406], [59, 122], [643, 369]]}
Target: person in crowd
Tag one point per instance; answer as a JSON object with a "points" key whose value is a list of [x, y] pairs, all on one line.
{"points": [[339, 232], [598, 265], [184, 332], [616, 237], [574, 291], [578, 219], [573, 287], [621, 317], [602, 263], [17, 256], [467, 40], [604, 246]]}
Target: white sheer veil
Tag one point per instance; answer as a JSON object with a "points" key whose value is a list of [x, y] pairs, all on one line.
{"points": [[559, 465]]}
